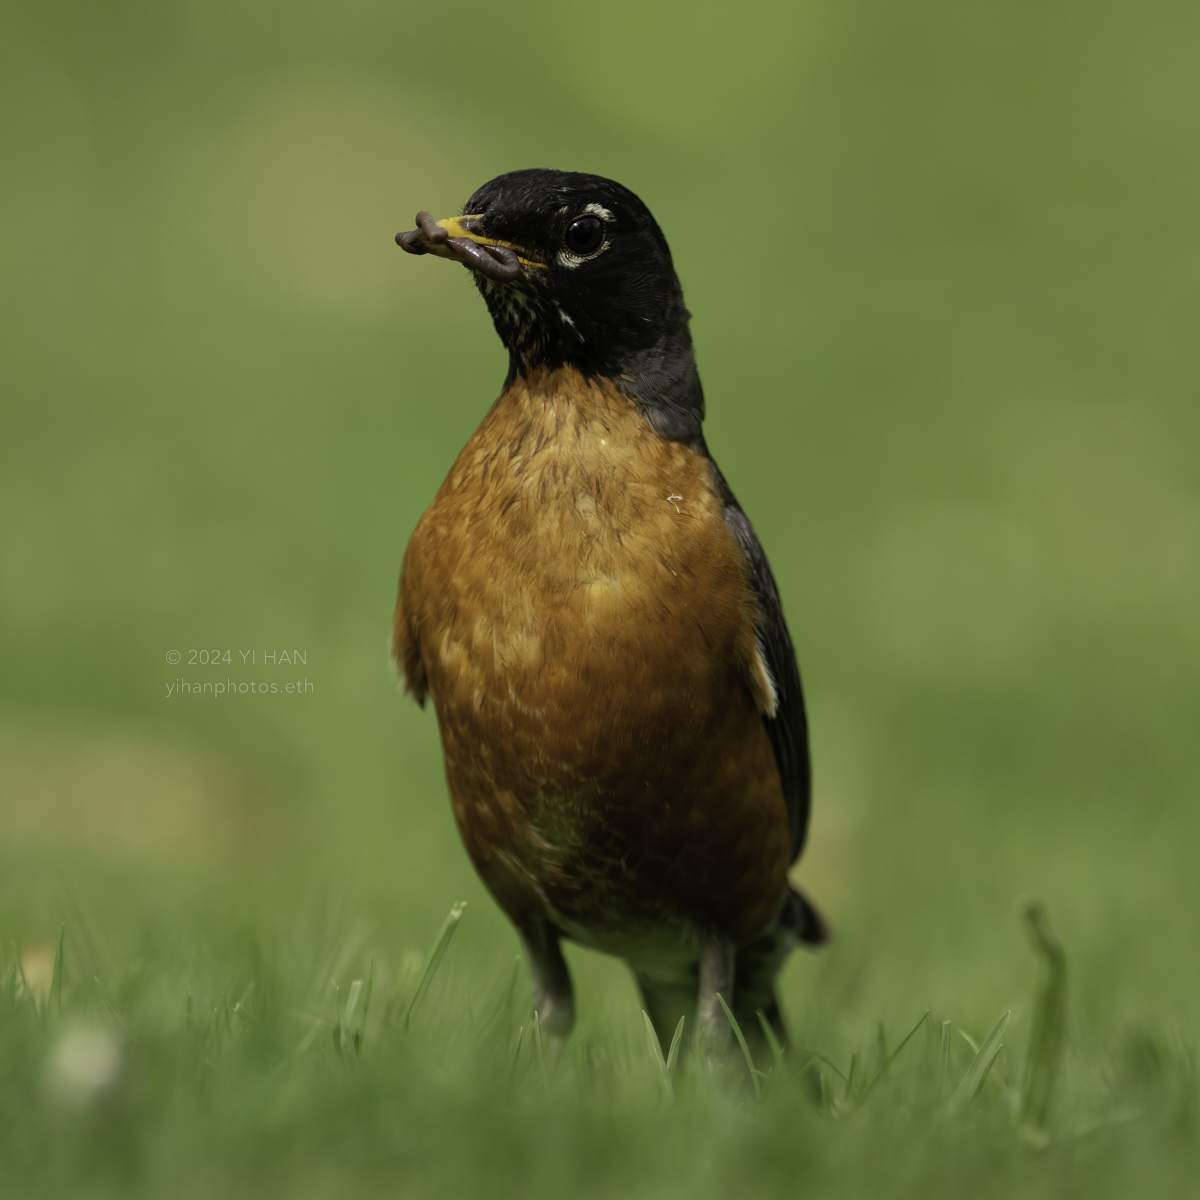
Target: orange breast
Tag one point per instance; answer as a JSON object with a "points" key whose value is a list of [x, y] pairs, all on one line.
{"points": [[577, 608]]}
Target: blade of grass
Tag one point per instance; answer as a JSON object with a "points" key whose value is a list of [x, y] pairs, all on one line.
{"points": [[741, 1037], [361, 1031], [851, 1079], [944, 1081], [656, 1056], [510, 1000], [537, 1037], [817, 1056], [337, 1024], [112, 1009], [56, 980], [239, 1007], [772, 1040], [25, 989], [449, 925], [977, 1072], [673, 1053], [356, 988], [1049, 1021], [370, 986], [10, 984], [311, 1036], [966, 1037], [891, 1058]]}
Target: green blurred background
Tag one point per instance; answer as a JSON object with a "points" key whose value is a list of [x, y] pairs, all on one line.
{"points": [[944, 265]]}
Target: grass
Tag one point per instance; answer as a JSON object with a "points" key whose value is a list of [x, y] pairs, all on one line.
{"points": [[944, 267], [427, 1079]]}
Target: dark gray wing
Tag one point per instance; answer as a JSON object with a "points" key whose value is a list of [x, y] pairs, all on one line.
{"points": [[788, 729]]}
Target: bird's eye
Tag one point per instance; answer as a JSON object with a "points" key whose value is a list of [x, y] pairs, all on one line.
{"points": [[585, 235]]}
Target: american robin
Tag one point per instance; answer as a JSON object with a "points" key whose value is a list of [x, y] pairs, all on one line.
{"points": [[595, 620]]}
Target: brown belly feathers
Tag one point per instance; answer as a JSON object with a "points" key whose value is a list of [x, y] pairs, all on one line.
{"points": [[577, 608]]}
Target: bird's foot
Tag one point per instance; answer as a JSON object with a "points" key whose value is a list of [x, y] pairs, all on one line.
{"points": [[553, 996], [718, 960]]}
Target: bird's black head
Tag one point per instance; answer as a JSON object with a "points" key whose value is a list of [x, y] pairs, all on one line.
{"points": [[576, 272]]}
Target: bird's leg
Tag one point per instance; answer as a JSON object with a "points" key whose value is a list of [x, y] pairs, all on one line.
{"points": [[718, 960], [553, 997]]}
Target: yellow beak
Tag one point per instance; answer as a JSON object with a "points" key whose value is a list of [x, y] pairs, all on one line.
{"points": [[469, 227]]}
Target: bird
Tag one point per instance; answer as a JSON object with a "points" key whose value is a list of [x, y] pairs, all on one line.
{"points": [[597, 625]]}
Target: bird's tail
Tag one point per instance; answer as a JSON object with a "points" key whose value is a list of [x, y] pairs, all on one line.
{"points": [[759, 964]]}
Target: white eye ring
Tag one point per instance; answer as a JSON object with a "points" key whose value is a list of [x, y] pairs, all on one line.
{"points": [[567, 258]]}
